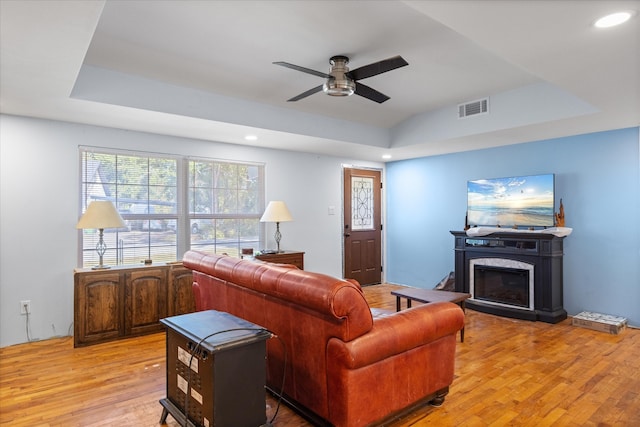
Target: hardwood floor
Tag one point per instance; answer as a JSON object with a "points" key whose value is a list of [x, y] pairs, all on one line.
{"points": [[508, 373]]}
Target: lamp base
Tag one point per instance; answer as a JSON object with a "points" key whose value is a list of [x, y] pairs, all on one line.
{"points": [[101, 248], [278, 236]]}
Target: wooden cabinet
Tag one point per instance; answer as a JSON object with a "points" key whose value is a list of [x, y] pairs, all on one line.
{"points": [[126, 301], [284, 257]]}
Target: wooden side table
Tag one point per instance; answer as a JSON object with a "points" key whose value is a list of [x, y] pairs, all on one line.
{"points": [[284, 257], [431, 295]]}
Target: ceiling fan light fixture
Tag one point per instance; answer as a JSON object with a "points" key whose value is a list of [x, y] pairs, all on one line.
{"points": [[339, 84], [344, 87]]}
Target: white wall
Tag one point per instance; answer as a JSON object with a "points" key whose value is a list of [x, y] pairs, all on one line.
{"points": [[39, 199]]}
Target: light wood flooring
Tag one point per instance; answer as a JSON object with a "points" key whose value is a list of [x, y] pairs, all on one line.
{"points": [[508, 373]]}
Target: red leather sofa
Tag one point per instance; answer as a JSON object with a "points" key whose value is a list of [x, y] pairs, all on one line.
{"points": [[344, 366]]}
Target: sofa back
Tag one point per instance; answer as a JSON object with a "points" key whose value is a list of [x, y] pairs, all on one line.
{"points": [[304, 309]]}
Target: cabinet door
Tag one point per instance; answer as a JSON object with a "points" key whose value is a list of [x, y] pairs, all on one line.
{"points": [[180, 293], [145, 300], [98, 307]]}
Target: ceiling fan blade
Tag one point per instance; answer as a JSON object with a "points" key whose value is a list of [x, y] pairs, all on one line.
{"points": [[303, 69], [377, 68], [305, 94], [369, 93]]}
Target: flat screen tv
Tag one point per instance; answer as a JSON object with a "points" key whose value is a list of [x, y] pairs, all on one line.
{"points": [[526, 201]]}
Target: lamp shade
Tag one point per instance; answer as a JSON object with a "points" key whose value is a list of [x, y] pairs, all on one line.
{"points": [[276, 212], [101, 214]]}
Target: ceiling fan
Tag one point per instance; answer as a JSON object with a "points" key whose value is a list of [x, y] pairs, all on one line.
{"points": [[342, 82]]}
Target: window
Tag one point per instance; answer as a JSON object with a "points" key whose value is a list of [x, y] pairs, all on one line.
{"points": [[362, 204], [171, 204], [225, 204]]}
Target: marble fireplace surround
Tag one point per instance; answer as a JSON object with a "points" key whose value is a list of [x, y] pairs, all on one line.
{"points": [[504, 264]]}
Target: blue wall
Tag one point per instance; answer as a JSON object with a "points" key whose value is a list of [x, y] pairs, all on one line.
{"points": [[598, 179]]}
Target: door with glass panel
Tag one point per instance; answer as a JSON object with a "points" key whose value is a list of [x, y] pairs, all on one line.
{"points": [[362, 226]]}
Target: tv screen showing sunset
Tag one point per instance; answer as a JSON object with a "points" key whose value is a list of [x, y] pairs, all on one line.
{"points": [[520, 201]]}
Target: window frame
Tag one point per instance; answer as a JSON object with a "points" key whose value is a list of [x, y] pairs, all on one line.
{"points": [[182, 216]]}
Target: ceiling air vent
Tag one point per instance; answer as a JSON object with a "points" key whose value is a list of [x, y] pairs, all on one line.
{"points": [[473, 108]]}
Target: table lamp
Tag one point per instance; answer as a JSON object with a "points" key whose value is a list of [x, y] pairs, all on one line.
{"points": [[276, 212], [100, 215]]}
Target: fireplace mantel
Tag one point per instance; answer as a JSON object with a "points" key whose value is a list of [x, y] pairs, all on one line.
{"points": [[542, 250]]}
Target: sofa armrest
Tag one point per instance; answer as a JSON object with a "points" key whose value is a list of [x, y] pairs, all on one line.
{"points": [[398, 333]]}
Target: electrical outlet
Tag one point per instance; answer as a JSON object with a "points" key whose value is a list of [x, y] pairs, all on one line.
{"points": [[25, 307]]}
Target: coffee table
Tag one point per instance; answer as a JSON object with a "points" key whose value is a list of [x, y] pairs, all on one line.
{"points": [[430, 295]]}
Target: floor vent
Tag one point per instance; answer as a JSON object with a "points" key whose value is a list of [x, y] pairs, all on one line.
{"points": [[473, 108]]}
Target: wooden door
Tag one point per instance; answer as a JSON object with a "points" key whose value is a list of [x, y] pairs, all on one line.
{"points": [[362, 226]]}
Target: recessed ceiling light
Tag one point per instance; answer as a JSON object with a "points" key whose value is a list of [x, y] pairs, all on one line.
{"points": [[613, 19], [251, 138], [386, 156]]}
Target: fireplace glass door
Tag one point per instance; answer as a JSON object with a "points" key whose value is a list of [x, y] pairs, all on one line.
{"points": [[504, 286]]}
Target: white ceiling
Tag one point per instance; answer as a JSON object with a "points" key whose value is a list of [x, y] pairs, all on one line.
{"points": [[203, 69]]}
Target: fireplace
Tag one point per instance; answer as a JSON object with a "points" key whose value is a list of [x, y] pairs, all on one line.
{"points": [[502, 282], [511, 274]]}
